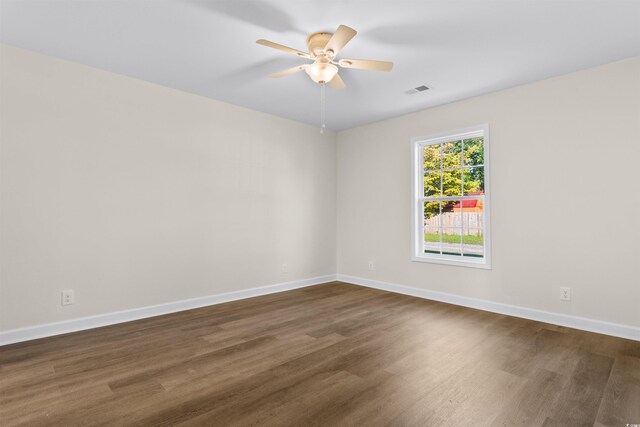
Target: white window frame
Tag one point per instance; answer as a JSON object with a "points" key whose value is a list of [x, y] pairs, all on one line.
{"points": [[417, 199]]}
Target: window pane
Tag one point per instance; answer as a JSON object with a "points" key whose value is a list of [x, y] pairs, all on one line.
{"points": [[431, 214], [473, 242], [432, 182], [472, 213], [473, 219], [473, 181], [451, 241], [474, 151], [473, 227], [431, 157], [451, 154], [432, 239], [452, 182]]}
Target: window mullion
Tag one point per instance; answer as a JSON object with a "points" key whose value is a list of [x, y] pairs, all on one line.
{"points": [[461, 195], [452, 169], [451, 198], [440, 224], [441, 194]]}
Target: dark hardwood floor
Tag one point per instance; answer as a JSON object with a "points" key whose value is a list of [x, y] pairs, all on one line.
{"points": [[328, 355]]}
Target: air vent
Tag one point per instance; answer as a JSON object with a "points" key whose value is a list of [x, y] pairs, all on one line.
{"points": [[418, 89]]}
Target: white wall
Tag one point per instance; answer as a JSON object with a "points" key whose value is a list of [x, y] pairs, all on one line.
{"points": [[133, 194], [565, 156]]}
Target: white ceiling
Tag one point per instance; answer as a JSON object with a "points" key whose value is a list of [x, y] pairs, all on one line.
{"points": [[459, 49]]}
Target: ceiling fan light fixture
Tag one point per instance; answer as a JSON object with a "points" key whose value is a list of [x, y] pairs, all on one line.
{"points": [[322, 72]]}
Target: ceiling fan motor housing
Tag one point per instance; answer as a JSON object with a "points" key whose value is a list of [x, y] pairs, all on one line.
{"points": [[317, 41]]}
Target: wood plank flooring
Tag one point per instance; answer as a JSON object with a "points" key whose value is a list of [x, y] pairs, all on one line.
{"points": [[328, 355]]}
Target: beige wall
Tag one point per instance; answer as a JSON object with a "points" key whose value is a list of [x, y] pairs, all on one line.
{"points": [[133, 194], [565, 162]]}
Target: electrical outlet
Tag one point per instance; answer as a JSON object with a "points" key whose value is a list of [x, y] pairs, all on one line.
{"points": [[372, 265], [565, 293], [284, 269], [68, 297]]}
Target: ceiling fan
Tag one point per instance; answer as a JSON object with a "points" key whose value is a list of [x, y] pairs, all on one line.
{"points": [[323, 48]]}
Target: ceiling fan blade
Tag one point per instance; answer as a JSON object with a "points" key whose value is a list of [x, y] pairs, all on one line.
{"points": [[283, 48], [340, 38], [366, 64], [337, 82], [289, 71]]}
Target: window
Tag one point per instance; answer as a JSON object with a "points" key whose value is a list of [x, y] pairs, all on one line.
{"points": [[451, 198]]}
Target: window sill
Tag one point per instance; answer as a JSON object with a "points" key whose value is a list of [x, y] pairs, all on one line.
{"points": [[483, 264]]}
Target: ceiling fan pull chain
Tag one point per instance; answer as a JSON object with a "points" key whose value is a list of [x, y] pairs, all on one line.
{"points": [[322, 107]]}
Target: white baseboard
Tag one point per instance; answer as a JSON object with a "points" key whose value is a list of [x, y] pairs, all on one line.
{"points": [[598, 326], [74, 325]]}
